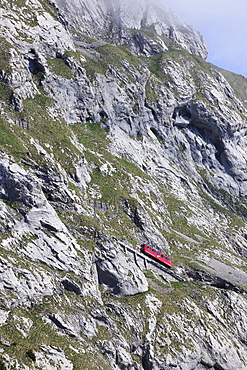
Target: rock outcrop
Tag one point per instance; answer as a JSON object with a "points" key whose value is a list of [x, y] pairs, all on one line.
{"points": [[120, 276], [113, 21]]}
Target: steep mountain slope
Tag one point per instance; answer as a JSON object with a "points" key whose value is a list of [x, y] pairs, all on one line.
{"points": [[237, 82], [114, 21], [116, 132]]}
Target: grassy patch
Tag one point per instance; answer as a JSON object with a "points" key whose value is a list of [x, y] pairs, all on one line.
{"points": [[115, 54], [55, 134], [113, 186], [156, 67], [17, 3], [10, 140], [5, 93], [60, 67], [237, 82], [94, 66], [42, 332], [112, 56], [49, 8], [5, 55], [92, 135]]}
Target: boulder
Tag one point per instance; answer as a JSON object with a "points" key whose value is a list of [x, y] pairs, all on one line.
{"points": [[120, 276]]}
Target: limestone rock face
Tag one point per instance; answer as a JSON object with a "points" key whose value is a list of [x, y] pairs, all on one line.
{"points": [[115, 132], [112, 20], [49, 240], [121, 277]]}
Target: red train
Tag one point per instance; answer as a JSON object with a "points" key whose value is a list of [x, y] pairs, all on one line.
{"points": [[158, 256]]}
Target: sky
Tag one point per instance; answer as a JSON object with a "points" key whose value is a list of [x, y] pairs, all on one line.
{"points": [[223, 23]]}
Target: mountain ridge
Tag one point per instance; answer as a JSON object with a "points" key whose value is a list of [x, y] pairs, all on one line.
{"points": [[107, 143], [122, 16]]}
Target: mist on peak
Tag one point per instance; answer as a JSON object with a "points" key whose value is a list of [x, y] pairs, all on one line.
{"points": [[110, 21]]}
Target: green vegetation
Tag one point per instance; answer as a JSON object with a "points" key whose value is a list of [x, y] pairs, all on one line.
{"points": [[111, 56], [17, 3], [114, 184], [155, 65], [49, 8], [10, 140], [60, 67], [92, 135], [94, 66], [148, 32], [40, 332], [2, 365], [237, 82], [5, 56], [114, 55], [53, 134], [5, 93]]}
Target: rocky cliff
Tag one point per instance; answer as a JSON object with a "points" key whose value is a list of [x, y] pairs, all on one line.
{"points": [[114, 21], [115, 132]]}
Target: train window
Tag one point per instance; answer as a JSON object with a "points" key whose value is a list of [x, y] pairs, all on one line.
{"points": [[162, 256]]}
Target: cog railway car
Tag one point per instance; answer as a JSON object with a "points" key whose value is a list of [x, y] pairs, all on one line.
{"points": [[157, 256]]}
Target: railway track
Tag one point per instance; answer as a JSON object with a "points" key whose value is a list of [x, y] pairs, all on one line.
{"points": [[143, 261], [224, 277]]}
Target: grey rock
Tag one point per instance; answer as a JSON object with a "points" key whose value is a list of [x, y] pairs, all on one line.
{"points": [[111, 21], [58, 321], [71, 286], [51, 357], [121, 277], [176, 133]]}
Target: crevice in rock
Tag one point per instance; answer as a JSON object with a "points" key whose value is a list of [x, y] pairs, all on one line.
{"points": [[147, 358], [57, 322], [48, 226], [218, 367], [71, 286], [35, 66], [156, 133], [60, 325], [153, 111], [181, 116]]}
